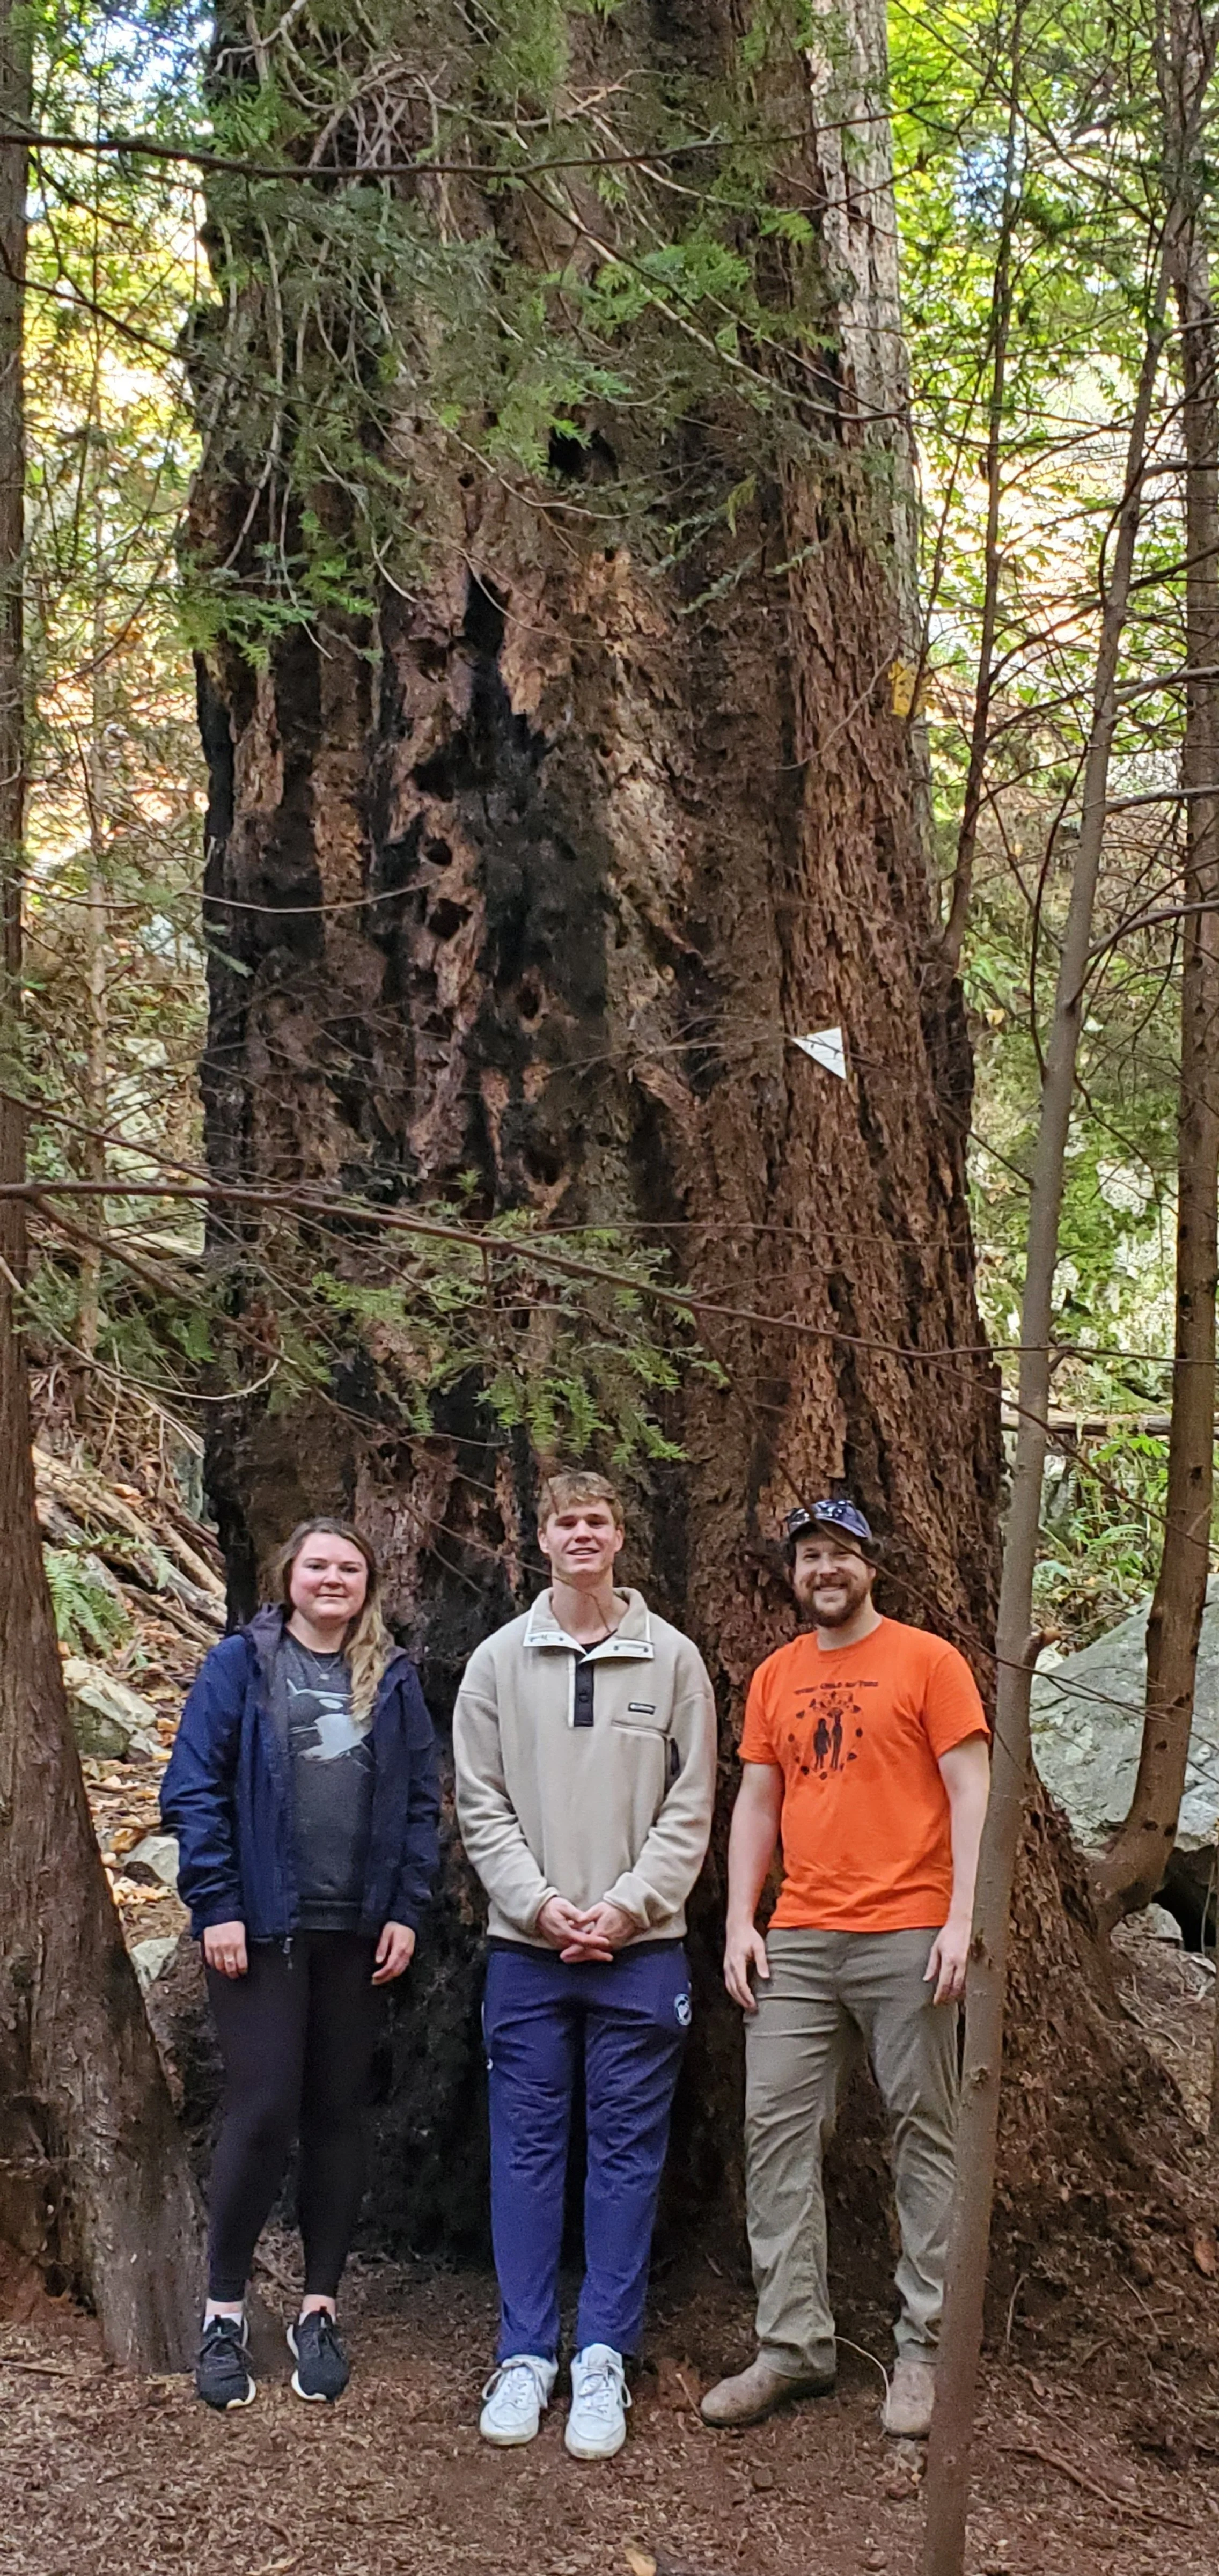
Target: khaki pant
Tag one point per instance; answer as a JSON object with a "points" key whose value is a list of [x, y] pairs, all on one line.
{"points": [[824, 1987]]}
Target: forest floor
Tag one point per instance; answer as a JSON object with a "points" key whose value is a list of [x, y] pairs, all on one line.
{"points": [[1097, 2452], [1098, 2442]]}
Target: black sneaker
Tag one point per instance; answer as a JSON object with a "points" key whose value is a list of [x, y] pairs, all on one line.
{"points": [[222, 2377], [322, 2367]]}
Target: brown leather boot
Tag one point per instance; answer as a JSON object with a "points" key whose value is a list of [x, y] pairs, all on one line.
{"points": [[910, 2399], [756, 2392]]}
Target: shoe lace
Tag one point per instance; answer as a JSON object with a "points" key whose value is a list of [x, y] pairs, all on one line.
{"points": [[318, 2326], [520, 2371], [224, 2330], [603, 2388]]}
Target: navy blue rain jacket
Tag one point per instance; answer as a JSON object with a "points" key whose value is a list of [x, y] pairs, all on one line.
{"points": [[227, 1796]]}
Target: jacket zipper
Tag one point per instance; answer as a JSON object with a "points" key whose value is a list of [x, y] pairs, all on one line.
{"points": [[279, 1765]]}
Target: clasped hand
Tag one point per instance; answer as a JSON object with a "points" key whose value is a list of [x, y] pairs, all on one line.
{"points": [[591, 1932]]}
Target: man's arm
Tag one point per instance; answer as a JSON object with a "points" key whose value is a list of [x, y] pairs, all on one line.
{"points": [[490, 1828], [965, 1772], [675, 1847], [751, 1843]]}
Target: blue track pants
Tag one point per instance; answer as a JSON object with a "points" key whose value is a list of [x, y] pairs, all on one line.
{"points": [[622, 2026]]}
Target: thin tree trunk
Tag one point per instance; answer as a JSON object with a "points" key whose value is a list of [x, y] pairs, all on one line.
{"points": [[947, 2489], [1133, 1867], [93, 1158], [975, 777], [1213, 2122], [93, 2180]]}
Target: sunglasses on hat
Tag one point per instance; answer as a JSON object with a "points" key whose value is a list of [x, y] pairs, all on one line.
{"points": [[830, 1515]]}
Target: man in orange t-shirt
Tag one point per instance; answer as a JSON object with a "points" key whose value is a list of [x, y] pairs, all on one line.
{"points": [[865, 1751]]}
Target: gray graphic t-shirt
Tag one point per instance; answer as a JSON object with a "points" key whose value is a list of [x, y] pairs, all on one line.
{"points": [[332, 1765]]}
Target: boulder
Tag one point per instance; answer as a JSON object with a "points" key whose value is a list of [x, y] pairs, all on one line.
{"points": [[150, 1957], [1087, 1721], [158, 1856], [109, 1720]]}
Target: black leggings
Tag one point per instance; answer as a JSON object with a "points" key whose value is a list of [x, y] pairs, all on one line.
{"points": [[297, 2035]]}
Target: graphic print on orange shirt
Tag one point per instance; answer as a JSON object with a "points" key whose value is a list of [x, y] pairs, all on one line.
{"points": [[857, 1732]]}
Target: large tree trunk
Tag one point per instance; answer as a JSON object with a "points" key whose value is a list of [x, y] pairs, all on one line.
{"points": [[621, 839], [601, 840], [94, 2188]]}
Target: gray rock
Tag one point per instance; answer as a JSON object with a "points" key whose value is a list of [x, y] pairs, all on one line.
{"points": [[1087, 1718], [108, 1720], [149, 1957], [158, 1853], [98, 1738]]}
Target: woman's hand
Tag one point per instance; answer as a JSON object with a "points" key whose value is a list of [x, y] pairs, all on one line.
{"points": [[395, 1951], [224, 1949]]}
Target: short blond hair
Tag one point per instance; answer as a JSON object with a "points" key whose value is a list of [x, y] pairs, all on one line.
{"points": [[567, 1486]]}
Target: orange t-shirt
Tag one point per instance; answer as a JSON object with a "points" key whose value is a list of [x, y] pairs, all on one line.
{"points": [[857, 1732]]}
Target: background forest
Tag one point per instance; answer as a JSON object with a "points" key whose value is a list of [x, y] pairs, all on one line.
{"points": [[495, 677], [1026, 160]]}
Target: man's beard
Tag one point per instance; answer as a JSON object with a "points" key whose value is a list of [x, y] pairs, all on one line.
{"points": [[840, 1612]]}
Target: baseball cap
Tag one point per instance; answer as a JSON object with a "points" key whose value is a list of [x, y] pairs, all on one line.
{"points": [[830, 1515]]}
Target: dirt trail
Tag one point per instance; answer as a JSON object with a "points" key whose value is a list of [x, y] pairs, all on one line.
{"points": [[99, 2471]]}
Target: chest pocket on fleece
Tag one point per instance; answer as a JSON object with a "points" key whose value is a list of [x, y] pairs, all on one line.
{"points": [[644, 1724]]}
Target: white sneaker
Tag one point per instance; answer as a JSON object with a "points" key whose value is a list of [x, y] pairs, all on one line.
{"points": [[596, 2426], [515, 2396]]}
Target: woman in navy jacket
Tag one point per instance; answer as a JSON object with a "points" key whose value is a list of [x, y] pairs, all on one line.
{"points": [[303, 1792]]}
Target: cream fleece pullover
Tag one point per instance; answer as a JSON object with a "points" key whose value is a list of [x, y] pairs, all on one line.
{"points": [[619, 1809]]}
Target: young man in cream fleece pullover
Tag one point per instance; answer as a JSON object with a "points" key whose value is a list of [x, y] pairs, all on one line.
{"points": [[584, 1740]]}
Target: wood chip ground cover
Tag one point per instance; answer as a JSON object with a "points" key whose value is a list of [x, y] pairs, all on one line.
{"points": [[101, 2471], [1098, 2446]]}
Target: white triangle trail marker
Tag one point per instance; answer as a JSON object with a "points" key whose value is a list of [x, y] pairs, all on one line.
{"points": [[826, 1048]]}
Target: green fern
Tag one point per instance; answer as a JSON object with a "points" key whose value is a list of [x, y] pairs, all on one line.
{"points": [[86, 1611]]}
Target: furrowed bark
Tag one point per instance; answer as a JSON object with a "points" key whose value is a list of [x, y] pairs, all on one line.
{"points": [[1133, 1868], [947, 2486], [94, 2189]]}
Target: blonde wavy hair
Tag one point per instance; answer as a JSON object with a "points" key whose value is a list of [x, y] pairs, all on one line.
{"points": [[368, 1644]]}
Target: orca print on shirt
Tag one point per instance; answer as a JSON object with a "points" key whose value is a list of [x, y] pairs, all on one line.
{"points": [[332, 1767]]}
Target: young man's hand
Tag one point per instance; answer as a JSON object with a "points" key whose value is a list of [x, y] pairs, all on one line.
{"points": [[224, 1949], [604, 1929], [949, 1960], [744, 1949], [395, 1951], [592, 1933], [558, 1922]]}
